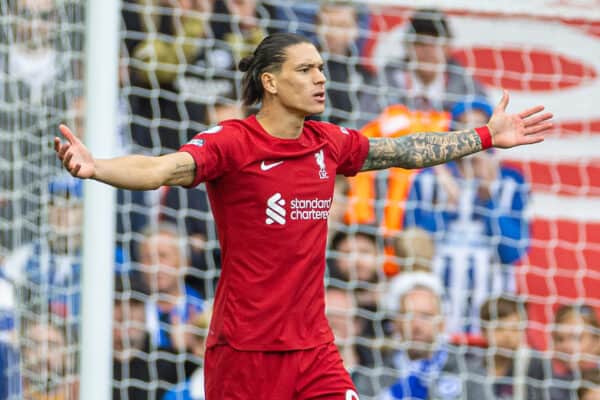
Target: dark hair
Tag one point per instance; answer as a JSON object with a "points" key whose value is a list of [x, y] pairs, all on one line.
{"points": [[590, 379], [341, 236], [496, 308], [429, 22], [268, 57], [586, 312]]}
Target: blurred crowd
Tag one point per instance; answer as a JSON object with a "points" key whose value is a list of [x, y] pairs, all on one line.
{"points": [[421, 287]]}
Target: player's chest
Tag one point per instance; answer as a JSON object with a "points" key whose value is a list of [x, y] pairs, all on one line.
{"points": [[285, 190], [312, 173]]}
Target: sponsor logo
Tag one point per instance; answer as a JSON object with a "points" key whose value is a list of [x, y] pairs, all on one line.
{"points": [[344, 130], [320, 159], [275, 211], [265, 167], [299, 209]]}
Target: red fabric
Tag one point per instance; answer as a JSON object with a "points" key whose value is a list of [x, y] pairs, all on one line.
{"points": [[485, 136], [305, 374], [270, 199]]}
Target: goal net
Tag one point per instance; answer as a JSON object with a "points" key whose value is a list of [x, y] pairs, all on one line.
{"points": [[520, 227]]}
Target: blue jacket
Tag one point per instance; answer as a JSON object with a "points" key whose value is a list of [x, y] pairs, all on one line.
{"points": [[505, 226]]}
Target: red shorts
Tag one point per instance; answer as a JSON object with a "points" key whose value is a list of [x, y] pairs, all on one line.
{"points": [[276, 375]]}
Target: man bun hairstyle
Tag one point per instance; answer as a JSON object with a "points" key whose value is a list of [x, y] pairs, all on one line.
{"points": [[268, 56], [245, 63]]}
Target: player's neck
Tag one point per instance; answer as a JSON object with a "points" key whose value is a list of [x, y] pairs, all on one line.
{"points": [[280, 122]]}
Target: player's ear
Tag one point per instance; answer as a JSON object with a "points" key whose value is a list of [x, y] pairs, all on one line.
{"points": [[269, 82]]}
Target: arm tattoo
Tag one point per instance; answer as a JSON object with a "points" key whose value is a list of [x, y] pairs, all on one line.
{"points": [[421, 149]]}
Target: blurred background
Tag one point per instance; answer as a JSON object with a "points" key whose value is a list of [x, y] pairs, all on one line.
{"points": [[477, 278]]}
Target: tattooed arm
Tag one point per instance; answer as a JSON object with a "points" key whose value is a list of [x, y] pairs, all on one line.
{"points": [[426, 149], [132, 172], [420, 150]]}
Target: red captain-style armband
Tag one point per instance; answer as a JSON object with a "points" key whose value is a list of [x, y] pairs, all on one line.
{"points": [[485, 136]]}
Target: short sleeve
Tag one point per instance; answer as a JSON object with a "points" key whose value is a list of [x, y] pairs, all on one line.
{"points": [[214, 152], [354, 148]]}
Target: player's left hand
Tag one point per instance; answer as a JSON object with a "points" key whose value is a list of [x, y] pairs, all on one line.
{"points": [[526, 127]]}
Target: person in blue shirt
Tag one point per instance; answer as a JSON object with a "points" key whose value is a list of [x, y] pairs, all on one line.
{"points": [[10, 382], [164, 263], [46, 273], [193, 341], [474, 208], [425, 364]]}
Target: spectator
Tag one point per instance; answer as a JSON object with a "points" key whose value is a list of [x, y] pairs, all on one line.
{"points": [[194, 342], [575, 344], [590, 385], [7, 308], [474, 208], [355, 265], [515, 371], [238, 23], [341, 314], [415, 250], [139, 371], [46, 273], [379, 197], [356, 258], [10, 381], [178, 74], [426, 78], [164, 259], [190, 208], [48, 367], [424, 364], [36, 82], [338, 31]]}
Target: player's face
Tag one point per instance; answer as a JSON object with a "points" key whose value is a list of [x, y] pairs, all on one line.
{"points": [[300, 83]]}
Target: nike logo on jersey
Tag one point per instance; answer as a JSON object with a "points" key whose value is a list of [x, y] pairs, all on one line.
{"points": [[265, 167]]}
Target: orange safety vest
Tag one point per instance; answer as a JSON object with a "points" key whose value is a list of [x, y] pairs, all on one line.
{"points": [[394, 121]]}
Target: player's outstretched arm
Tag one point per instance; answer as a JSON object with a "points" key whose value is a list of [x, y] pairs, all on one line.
{"points": [[426, 149], [132, 172]]}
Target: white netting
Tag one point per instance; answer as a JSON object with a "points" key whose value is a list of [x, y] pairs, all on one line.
{"points": [[40, 81], [527, 230]]}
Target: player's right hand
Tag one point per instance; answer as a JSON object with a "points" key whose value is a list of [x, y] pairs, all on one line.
{"points": [[75, 157]]}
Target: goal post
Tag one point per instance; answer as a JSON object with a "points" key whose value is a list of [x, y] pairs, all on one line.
{"points": [[101, 94]]}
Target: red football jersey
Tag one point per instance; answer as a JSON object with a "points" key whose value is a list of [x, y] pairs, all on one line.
{"points": [[270, 198]]}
